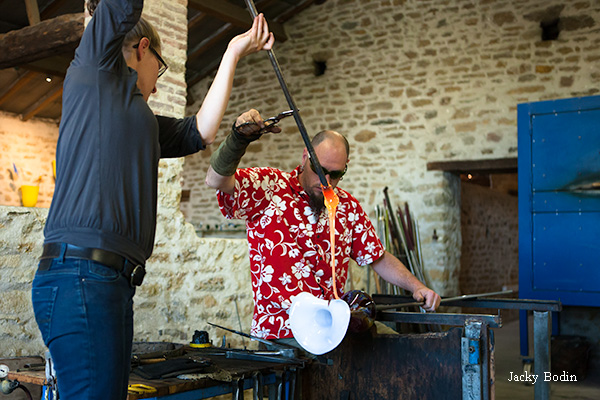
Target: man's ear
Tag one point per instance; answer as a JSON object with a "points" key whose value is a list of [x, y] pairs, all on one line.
{"points": [[304, 156]]}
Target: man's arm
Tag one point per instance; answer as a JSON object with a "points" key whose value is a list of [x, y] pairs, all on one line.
{"points": [[392, 270], [224, 161], [225, 184]]}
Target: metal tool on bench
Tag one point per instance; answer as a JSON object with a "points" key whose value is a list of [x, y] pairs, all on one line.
{"points": [[140, 388], [33, 367], [282, 354]]}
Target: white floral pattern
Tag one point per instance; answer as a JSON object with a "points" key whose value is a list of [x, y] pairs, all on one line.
{"points": [[289, 246]]}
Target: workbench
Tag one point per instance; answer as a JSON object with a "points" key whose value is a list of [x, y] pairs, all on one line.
{"points": [[279, 377]]}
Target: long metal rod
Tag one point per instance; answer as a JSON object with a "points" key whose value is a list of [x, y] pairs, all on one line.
{"points": [[504, 304], [420, 303], [292, 104], [494, 321]]}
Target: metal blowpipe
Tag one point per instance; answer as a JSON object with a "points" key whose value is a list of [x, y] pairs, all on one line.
{"points": [[417, 303], [292, 104]]}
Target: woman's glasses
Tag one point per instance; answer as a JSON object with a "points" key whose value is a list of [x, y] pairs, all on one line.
{"points": [[162, 64], [332, 174]]}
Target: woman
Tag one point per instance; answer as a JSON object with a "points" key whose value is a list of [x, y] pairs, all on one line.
{"points": [[101, 224]]}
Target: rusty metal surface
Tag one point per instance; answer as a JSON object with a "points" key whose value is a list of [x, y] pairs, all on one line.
{"points": [[370, 366]]}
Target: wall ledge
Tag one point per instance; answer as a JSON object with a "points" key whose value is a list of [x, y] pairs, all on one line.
{"points": [[482, 166]]}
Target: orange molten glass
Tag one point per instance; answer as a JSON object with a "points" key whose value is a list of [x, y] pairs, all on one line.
{"points": [[331, 202]]}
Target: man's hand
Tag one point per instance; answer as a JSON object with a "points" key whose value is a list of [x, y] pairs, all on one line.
{"points": [[429, 297], [251, 123]]}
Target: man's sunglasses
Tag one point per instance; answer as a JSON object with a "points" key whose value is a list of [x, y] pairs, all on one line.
{"points": [[163, 65], [332, 174]]}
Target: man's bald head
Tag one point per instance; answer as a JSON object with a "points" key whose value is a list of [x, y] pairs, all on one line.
{"points": [[331, 136]]}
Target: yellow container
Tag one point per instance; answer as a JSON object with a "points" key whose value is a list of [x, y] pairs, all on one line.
{"points": [[54, 168], [29, 195]]}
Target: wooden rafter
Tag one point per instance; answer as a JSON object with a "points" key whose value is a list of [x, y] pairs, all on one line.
{"points": [[496, 165], [293, 11], [53, 66], [235, 15], [196, 20], [33, 12], [16, 86], [43, 102], [52, 8], [208, 42], [198, 76]]}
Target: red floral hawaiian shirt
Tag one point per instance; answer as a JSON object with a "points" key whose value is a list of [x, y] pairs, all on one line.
{"points": [[289, 245]]}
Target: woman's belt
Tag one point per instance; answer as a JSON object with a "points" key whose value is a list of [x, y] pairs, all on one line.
{"points": [[134, 272]]}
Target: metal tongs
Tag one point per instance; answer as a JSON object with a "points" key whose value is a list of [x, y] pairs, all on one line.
{"points": [[268, 122], [279, 117]]}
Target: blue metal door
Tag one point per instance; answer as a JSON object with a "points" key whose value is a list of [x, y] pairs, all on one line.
{"points": [[559, 200]]}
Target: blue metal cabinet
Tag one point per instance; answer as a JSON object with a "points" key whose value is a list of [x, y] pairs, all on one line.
{"points": [[559, 200]]}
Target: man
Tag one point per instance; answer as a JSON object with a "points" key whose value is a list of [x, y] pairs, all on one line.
{"points": [[288, 228]]}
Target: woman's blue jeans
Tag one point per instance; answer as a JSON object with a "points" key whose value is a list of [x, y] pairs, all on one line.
{"points": [[85, 313]]}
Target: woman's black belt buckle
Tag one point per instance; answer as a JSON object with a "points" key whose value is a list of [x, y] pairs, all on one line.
{"points": [[136, 276]]}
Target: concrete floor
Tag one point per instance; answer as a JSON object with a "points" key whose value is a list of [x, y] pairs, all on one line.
{"points": [[508, 359]]}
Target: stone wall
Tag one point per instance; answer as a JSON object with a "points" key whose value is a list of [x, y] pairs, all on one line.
{"points": [[409, 81], [490, 233]]}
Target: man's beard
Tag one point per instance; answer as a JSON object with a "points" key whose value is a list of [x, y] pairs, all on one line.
{"points": [[316, 202]]}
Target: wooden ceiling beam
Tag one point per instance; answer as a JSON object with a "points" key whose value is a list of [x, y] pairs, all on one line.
{"points": [[17, 85], [235, 15], [198, 76], [52, 9], [33, 12], [53, 66], [196, 20], [208, 42], [484, 166], [48, 38], [42, 103], [293, 11]]}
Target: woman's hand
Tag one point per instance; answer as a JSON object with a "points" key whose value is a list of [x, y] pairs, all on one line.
{"points": [[256, 39]]}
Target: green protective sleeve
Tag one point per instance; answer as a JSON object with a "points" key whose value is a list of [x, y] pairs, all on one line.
{"points": [[226, 159]]}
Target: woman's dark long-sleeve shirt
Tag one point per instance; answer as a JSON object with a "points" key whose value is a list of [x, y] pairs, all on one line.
{"points": [[110, 144]]}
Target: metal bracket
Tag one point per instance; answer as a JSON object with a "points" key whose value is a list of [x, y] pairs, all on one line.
{"points": [[471, 360]]}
